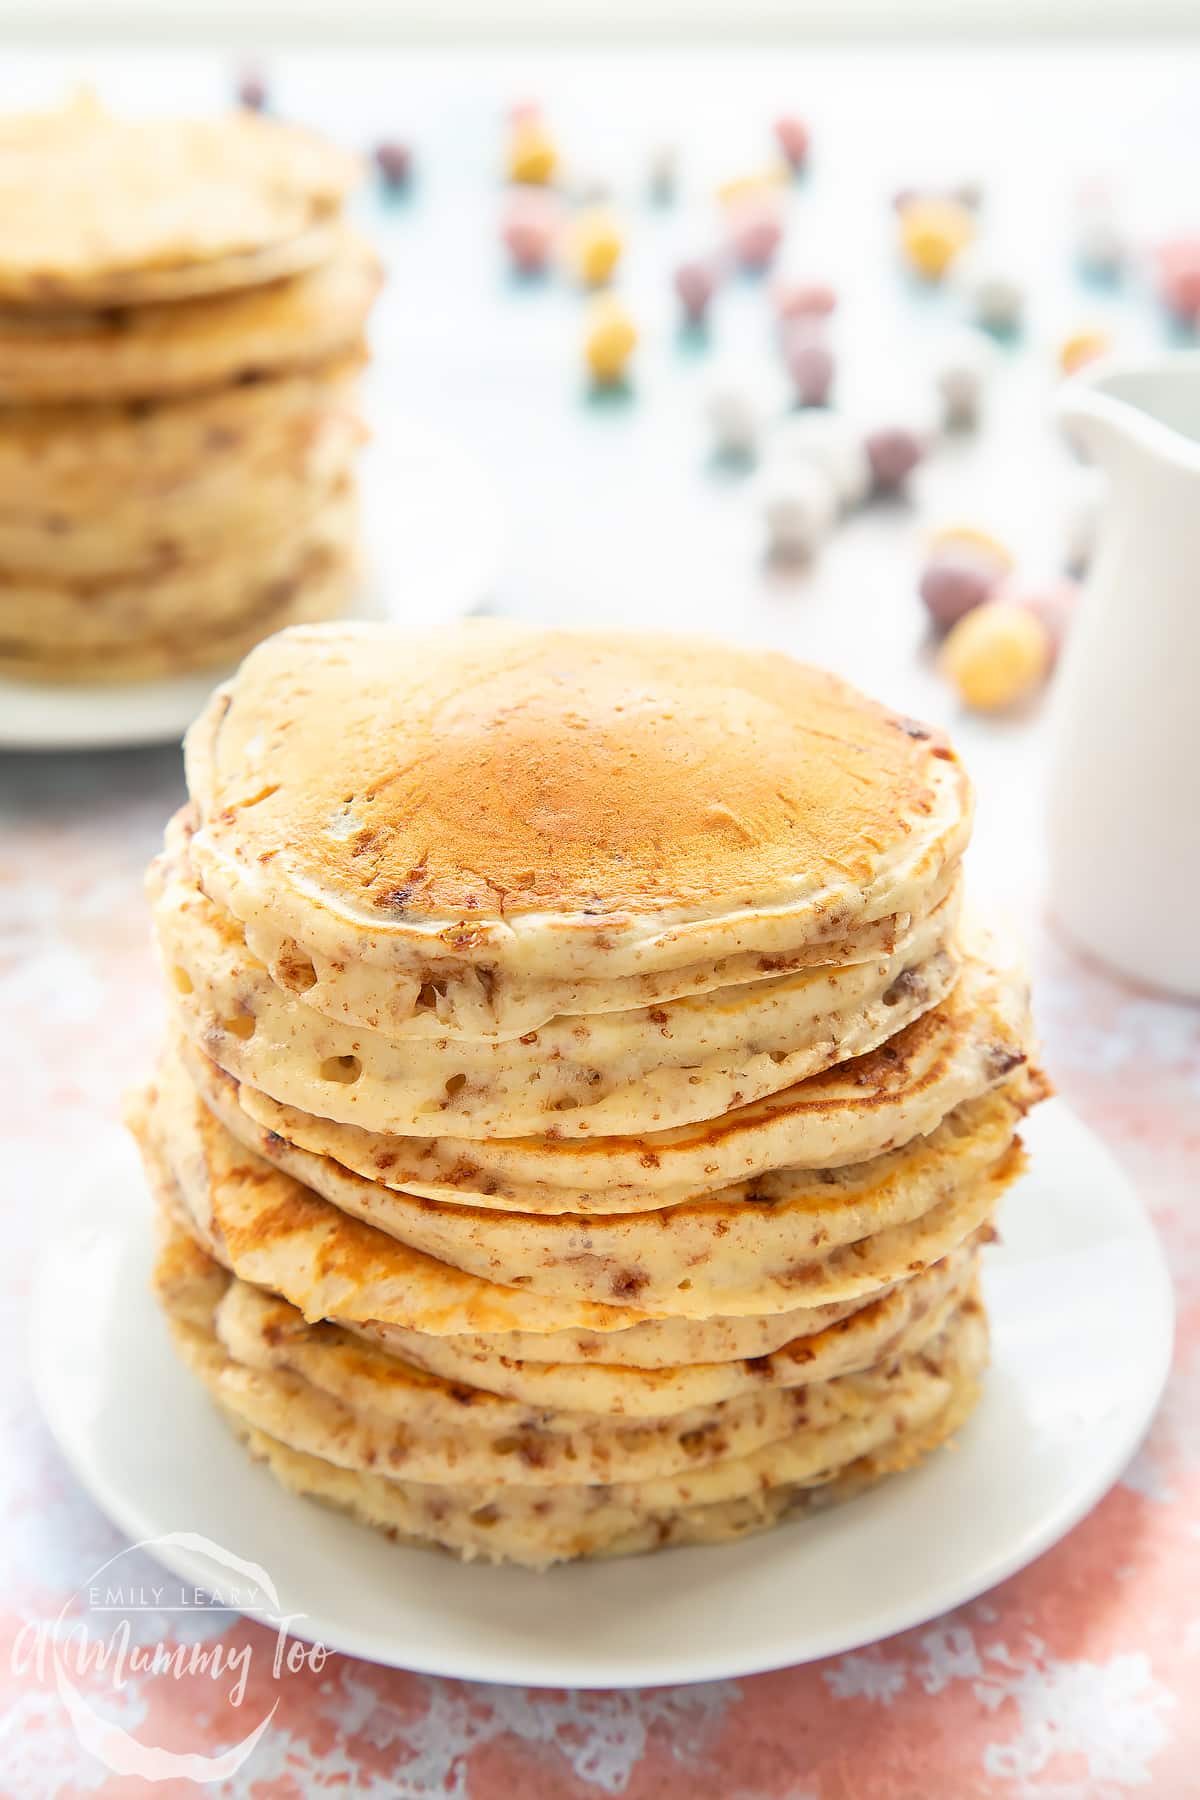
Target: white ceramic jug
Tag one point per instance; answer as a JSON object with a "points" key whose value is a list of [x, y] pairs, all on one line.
{"points": [[1124, 794]]}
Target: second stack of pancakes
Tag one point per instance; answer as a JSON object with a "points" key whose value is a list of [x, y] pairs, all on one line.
{"points": [[182, 310], [584, 1103]]}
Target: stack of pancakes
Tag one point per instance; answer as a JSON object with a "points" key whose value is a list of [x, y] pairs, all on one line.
{"points": [[584, 1103], [181, 330]]}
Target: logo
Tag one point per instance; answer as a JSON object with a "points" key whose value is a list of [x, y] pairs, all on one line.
{"points": [[131, 1624]]}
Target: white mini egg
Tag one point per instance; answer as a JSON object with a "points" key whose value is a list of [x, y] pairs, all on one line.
{"points": [[995, 295], [799, 506], [960, 376], [828, 442]]}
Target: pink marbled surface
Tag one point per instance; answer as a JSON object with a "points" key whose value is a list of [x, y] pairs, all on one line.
{"points": [[1077, 1680]]}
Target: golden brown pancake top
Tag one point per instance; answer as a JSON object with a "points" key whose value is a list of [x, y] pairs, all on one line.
{"points": [[492, 770]]}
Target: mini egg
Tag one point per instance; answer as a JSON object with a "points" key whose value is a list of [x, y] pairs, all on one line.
{"points": [[970, 540], [393, 160], [755, 231], [662, 173], [1178, 264], [609, 341], [893, 453], [695, 283], [530, 228], [252, 90], [995, 297], [792, 137], [830, 443], [1054, 605], [593, 246], [810, 368], [532, 153], [951, 587], [803, 300], [960, 374], [997, 656], [932, 233], [1100, 246], [1081, 348], [736, 415], [798, 508]]}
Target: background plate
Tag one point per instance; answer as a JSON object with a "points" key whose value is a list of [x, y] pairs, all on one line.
{"points": [[433, 536], [1067, 1400]]}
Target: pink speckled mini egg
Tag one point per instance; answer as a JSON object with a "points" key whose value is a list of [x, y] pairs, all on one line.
{"points": [[529, 229], [755, 232], [1179, 276], [695, 283], [803, 300], [792, 136], [811, 368]]}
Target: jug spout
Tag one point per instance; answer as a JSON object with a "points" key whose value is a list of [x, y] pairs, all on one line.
{"points": [[1122, 415], [1094, 422]]}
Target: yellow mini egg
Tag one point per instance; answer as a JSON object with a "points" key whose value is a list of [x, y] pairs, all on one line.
{"points": [[758, 185], [970, 540], [610, 341], [996, 655], [532, 153], [594, 246], [1082, 347], [932, 232]]}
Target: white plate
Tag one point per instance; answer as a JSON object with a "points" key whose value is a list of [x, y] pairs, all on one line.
{"points": [[1082, 1317], [433, 538]]}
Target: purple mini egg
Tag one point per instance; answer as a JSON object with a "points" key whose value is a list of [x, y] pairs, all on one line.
{"points": [[953, 586], [252, 90], [893, 453], [393, 159], [811, 368], [695, 284]]}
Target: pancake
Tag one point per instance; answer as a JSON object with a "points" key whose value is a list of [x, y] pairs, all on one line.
{"points": [[891, 1416], [304, 1379], [225, 1199], [866, 1332], [414, 1516], [263, 1331], [80, 460], [188, 346], [321, 584], [963, 1048], [510, 802], [102, 211], [724, 1253], [215, 602], [646, 1070], [133, 496]]}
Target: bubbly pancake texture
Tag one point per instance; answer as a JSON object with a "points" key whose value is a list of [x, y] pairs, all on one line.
{"points": [[521, 800], [646, 1070]]}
